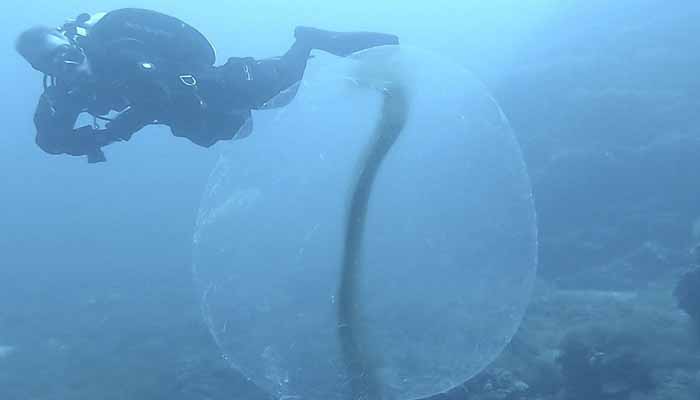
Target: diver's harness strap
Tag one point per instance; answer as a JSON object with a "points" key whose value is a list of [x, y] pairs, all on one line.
{"points": [[49, 81], [188, 80]]}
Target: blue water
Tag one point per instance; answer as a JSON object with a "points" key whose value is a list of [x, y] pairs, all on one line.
{"points": [[96, 299]]}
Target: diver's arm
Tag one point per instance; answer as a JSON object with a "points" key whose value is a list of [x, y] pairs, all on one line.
{"points": [[128, 122], [55, 117]]}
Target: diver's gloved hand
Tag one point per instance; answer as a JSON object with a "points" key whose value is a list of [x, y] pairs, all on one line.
{"points": [[92, 141], [102, 138], [96, 156]]}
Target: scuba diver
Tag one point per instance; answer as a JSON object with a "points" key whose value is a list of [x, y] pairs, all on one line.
{"points": [[130, 68]]}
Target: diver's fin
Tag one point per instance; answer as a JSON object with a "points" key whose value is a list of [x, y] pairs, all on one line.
{"points": [[342, 43]]}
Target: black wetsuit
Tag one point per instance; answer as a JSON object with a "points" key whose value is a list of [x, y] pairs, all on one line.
{"points": [[197, 100]]}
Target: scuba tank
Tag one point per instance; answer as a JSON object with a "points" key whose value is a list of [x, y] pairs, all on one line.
{"points": [[148, 37], [138, 48]]}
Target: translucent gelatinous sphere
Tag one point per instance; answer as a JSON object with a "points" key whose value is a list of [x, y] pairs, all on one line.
{"points": [[449, 250]]}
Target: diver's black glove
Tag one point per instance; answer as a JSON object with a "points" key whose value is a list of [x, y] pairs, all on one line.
{"points": [[96, 156], [97, 139], [91, 148]]}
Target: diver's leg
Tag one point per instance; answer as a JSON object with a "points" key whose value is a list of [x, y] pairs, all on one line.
{"points": [[289, 69], [271, 77], [274, 82], [342, 43], [292, 64]]}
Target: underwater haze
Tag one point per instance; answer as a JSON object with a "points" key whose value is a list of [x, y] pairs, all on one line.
{"points": [[97, 298]]}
